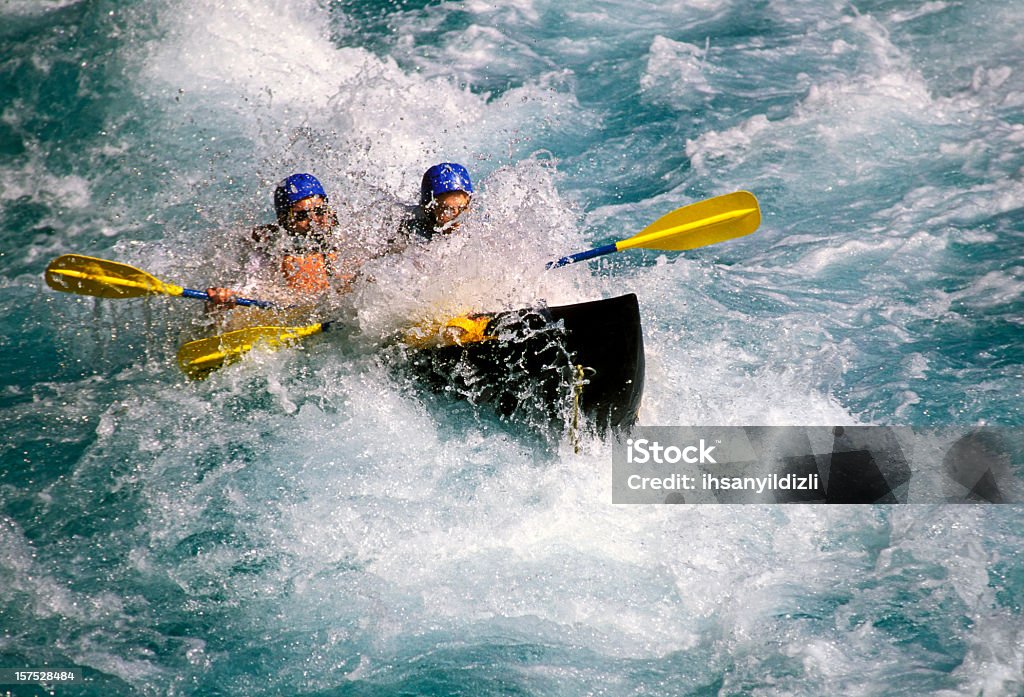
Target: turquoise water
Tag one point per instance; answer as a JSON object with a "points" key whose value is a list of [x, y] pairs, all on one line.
{"points": [[309, 522]]}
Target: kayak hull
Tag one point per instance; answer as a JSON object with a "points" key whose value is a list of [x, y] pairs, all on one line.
{"points": [[560, 362]]}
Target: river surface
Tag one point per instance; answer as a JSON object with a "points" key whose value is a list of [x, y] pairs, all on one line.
{"points": [[313, 522]]}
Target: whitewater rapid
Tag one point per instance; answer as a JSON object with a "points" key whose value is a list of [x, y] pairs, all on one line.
{"points": [[311, 521]]}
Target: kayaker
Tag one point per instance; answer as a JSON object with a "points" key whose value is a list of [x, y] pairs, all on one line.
{"points": [[302, 249], [300, 254], [445, 194]]}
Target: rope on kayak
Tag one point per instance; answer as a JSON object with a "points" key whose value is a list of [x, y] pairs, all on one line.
{"points": [[577, 396]]}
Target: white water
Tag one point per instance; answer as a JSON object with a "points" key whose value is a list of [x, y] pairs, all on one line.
{"points": [[309, 519]]}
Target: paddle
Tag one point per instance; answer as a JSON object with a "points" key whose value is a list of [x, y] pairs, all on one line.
{"points": [[74, 273], [198, 359], [696, 225]]}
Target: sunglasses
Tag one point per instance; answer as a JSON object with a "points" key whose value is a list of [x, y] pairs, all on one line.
{"points": [[436, 206], [319, 212]]}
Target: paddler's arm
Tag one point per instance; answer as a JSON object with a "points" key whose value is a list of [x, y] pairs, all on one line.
{"points": [[343, 283], [344, 272], [252, 264]]}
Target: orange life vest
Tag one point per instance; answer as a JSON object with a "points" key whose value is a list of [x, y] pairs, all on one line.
{"points": [[309, 273]]}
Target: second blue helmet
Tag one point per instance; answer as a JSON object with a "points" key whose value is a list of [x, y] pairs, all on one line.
{"points": [[444, 177]]}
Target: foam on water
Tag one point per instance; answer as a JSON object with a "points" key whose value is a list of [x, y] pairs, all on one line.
{"points": [[313, 520]]}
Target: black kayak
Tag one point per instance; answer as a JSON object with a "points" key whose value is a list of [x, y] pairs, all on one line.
{"points": [[562, 362]]}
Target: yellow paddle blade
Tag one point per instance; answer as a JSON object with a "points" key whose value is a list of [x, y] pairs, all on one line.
{"points": [[198, 359], [74, 273], [700, 224]]}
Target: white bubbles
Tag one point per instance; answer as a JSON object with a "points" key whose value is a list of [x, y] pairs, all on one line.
{"points": [[268, 75], [675, 73], [842, 132], [254, 48], [34, 182], [710, 148], [33, 8], [316, 516]]}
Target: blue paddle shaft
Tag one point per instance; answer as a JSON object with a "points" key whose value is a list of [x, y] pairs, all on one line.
{"points": [[581, 256], [200, 295]]}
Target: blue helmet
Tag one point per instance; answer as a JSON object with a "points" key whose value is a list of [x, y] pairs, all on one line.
{"points": [[294, 189], [447, 176]]}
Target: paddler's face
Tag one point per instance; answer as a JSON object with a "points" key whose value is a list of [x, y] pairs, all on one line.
{"points": [[309, 215], [446, 207]]}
